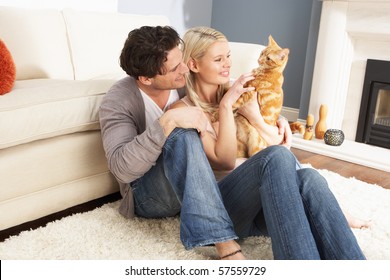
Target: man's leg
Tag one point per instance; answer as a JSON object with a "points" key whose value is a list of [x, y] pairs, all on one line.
{"points": [[183, 179]]}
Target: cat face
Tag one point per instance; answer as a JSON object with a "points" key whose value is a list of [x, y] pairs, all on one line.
{"points": [[273, 55]]}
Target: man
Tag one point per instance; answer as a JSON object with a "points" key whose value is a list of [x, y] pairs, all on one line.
{"points": [[156, 155]]}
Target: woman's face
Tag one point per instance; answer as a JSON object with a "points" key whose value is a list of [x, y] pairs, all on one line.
{"points": [[214, 66]]}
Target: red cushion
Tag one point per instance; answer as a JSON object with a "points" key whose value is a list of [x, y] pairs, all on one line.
{"points": [[7, 70]]}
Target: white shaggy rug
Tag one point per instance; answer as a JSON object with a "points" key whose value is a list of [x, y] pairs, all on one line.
{"points": [[104, 234]]}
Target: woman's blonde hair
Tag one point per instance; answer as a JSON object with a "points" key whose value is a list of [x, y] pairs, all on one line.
{"points": [[196, 42]]}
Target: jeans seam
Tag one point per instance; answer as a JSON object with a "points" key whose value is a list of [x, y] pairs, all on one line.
{"points": [[280, 225]]}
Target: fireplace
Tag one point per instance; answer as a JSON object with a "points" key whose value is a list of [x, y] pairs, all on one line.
{"points": [[351, 32], [374, 117]]}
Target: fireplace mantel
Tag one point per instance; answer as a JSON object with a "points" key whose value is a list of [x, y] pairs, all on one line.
{"points": [[351, 31]]}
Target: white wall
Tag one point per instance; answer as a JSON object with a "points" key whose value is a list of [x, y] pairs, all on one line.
{"points": [[182, 14], [85, 5]]}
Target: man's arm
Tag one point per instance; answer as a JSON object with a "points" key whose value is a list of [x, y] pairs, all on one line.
{"points": [[131, 150], [129, 155]]}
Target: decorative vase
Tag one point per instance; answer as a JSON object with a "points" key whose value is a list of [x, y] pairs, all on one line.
{"points": [[334, 137], [321, 124], [308, 135]]}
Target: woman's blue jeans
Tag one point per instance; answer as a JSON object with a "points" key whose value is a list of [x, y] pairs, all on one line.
{"points": [[295, 206], [267, 194]]}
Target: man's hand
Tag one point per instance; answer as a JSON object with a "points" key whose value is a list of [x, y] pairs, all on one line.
{"points": [[184, 117]]}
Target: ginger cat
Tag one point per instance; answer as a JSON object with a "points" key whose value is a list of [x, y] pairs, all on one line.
{"points": [[268, 88]]}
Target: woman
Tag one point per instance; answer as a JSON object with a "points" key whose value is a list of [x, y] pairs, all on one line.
{"points": [[265, 194]]}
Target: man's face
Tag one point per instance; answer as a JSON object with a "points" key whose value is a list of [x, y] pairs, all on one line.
{"points": [[175, 71]]}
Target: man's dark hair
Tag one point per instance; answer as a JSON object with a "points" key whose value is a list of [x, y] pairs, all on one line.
{"points": [[146, 50]]}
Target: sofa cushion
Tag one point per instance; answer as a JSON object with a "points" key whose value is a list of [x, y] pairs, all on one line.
{"points": [[96, 40], [42, 108], [38, 42], [7, 69], [50, 175]]}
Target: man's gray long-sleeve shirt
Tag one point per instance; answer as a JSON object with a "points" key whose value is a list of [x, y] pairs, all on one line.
{"points": [[131, 148]]}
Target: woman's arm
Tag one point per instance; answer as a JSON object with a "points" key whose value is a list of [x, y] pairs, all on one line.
{"points": [[224, 153], [215, 152], [271, 134], [222, 150]]}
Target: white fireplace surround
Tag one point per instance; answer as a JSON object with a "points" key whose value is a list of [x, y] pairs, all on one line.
{"points": [[351, 31]]}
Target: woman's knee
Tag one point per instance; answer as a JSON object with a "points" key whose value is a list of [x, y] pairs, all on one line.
{"points": [[277, 159], [311, 174], [312, 180], [281, 155]]}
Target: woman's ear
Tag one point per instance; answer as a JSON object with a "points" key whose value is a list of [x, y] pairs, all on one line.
{"points": [[192, 65]]}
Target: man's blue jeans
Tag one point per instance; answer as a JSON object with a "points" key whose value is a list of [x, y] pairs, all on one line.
{"points": [[183, 182], [267, 194]]}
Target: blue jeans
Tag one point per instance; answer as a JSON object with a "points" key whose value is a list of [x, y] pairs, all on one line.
{"points": [[182, 181], [268, 194]]}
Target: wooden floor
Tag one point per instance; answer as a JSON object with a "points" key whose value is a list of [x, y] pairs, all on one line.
{"points": [[344, 168]]}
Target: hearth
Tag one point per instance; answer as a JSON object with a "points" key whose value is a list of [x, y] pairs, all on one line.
{"points": [[374, 116]]}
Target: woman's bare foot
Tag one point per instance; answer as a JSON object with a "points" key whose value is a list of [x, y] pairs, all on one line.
{"points": [[355, 222], [229, 250], [358, 223]]}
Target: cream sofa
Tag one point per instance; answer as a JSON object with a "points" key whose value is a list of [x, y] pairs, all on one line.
{"points": [[51, 156]]}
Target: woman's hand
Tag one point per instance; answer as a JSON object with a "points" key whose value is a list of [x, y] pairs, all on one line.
{"points": [[251, 111], [237, 89], [285, 130], [280, 135]]}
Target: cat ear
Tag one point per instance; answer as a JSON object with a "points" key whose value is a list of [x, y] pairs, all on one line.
{"points": [[271, 41], [192, 65]]}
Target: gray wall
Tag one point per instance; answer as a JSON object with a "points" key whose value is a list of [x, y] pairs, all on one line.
{"points": [[292, 23]]}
